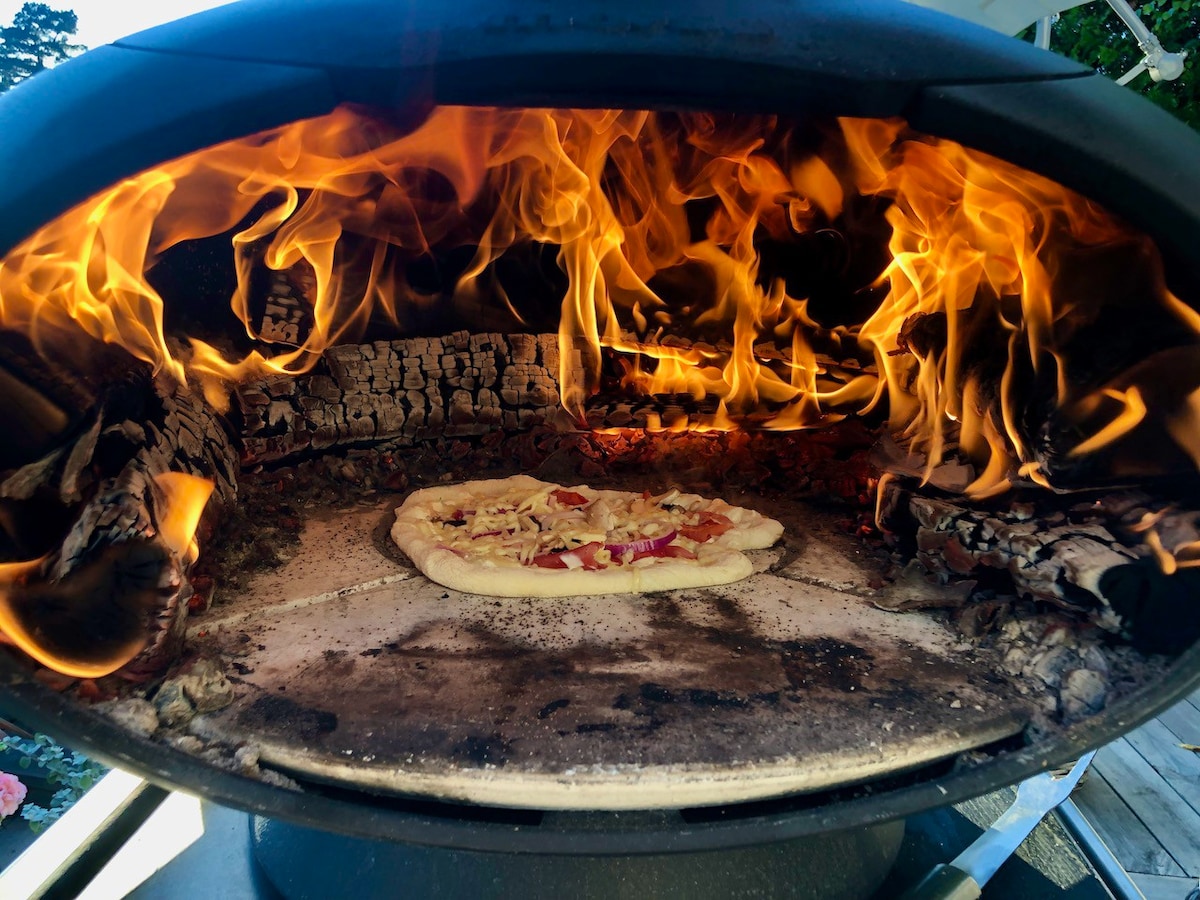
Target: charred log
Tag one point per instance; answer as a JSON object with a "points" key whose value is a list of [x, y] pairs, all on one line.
{"points": [[287, 311], [1110, 559], [1055, 560], [401, 392], [396, 393], [114, 582]]}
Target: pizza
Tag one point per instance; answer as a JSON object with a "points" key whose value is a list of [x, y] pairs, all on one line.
{"points": [[521, 537]]}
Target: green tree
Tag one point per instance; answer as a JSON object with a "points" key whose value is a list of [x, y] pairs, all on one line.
{"points": [[37, 36], [1093, 34]]}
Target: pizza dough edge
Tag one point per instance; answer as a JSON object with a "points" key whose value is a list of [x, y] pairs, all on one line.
{"points": [[723, 564]]}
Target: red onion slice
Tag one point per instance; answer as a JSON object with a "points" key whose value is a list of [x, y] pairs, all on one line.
{"points": [[644, 545]]}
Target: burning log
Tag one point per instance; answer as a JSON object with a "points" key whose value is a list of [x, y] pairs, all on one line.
{"points": [[287, 316], [1124, 560], [133, 493], [404, 391], [460, 385]]}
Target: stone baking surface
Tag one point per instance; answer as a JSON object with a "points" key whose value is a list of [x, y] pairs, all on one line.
{"points": [[351, 668]]}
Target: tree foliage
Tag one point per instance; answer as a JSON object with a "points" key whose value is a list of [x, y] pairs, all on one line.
{"points": [[1093, 34], [37, 37]]}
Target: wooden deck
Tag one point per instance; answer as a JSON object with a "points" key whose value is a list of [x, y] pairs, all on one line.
{"points": [[1142, 797]]}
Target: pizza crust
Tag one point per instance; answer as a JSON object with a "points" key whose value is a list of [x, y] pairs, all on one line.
{"points": [[718, 560]]}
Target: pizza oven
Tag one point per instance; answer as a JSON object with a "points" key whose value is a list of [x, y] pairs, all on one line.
{"points": [[925, 294]]}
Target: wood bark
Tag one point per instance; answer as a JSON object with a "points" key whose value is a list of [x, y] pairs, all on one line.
{"points": [[112, 577], [461, 385], [400, 392]]}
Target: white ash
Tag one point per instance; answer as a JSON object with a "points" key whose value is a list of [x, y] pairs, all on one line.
{"points": [[175, 718], [172, 705], [1073, 668], [200, 688], [205, 685], [135, 714], [1084, 692], [186, 743], [242, 759]]}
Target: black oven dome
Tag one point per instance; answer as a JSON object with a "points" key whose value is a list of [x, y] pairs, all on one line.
{"points": [[258, 64], [879, 48]]}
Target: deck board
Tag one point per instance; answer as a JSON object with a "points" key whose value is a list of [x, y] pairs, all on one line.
{"points": [[1174, 823], [1183, 719], [1143, 798], [1163, 887], [1131, 842], [1180, 768]]}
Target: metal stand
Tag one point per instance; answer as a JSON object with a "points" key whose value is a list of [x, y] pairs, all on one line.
{"points": [[303, 862]]}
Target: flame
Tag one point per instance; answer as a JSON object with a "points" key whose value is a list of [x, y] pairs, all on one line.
{"points": [[13, 624], [22, 614], [658, 222], [184, 498]]}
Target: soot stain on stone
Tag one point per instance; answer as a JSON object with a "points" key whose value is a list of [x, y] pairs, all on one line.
{"points": [[825, 662], [289, 717], [701, 697], [477, 642], [552, 707], [733, 614], [481, 750], [702, 666], [656, 693], [716, 699]]}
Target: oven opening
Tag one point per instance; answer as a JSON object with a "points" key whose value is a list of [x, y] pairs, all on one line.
{"points": [[969, 394]]}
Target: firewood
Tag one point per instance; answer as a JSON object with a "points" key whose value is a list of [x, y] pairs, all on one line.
{"points": [[287, 309], [1061, 562], [462, 385], [400, 392], [917, 588], [113, 584]]}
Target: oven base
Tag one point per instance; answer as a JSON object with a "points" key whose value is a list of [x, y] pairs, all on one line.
{"points": [[842, 865]]}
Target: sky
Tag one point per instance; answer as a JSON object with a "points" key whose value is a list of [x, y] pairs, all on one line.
{"points": [[103, 21]]}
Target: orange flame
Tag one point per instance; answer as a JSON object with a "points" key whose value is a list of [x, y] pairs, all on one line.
{"points": [[630, 200], [183, 503]]}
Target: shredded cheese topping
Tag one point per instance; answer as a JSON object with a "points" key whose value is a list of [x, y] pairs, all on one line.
{"points": [[546, 527]]}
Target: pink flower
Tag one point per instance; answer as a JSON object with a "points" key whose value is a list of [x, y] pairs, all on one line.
{"points": [[12, 792]]}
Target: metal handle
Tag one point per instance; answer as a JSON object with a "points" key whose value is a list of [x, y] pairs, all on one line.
{"points": [[944, 883]]}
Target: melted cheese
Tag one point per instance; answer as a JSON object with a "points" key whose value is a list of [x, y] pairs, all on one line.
{"points": [[514, 528]]}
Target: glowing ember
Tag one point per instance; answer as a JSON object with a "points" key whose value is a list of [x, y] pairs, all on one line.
{"points": [[973, 310]]}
